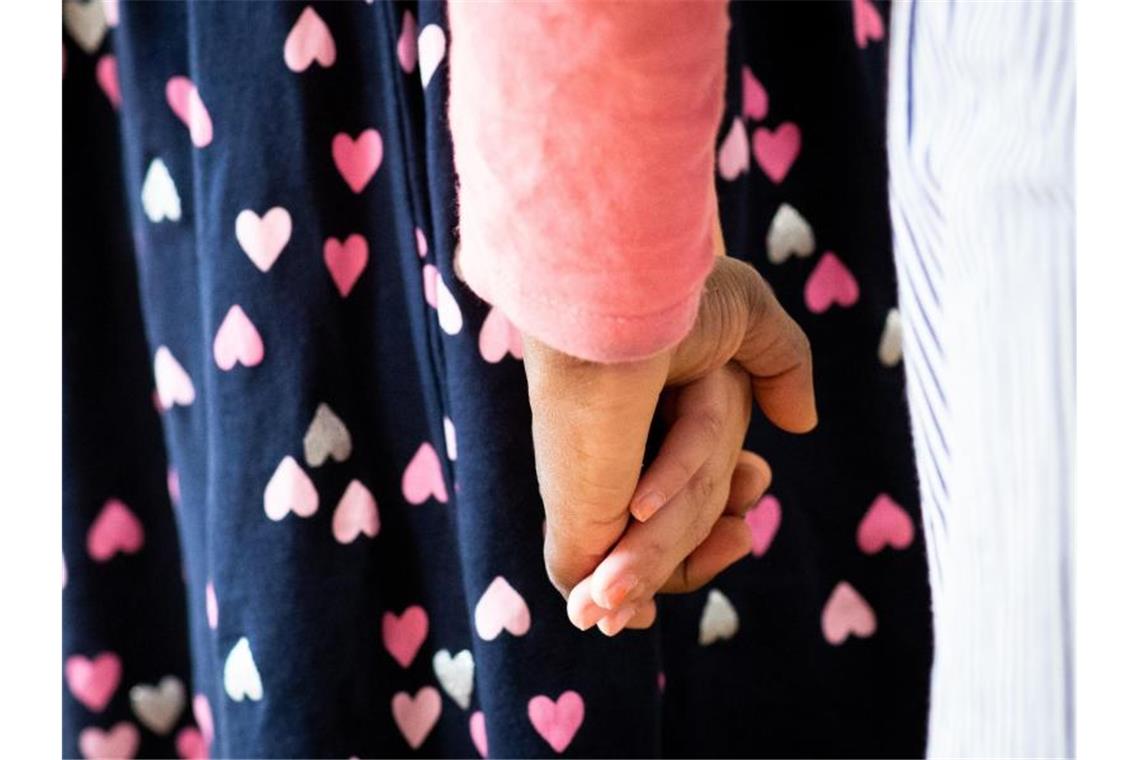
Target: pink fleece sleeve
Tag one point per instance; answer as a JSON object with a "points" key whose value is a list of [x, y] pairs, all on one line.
{"points": [[584, 137]]}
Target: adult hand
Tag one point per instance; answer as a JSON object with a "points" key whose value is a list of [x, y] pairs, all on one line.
{"points": [[591, 421]]}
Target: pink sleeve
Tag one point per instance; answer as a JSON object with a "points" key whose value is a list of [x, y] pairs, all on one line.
{"points": [[584, 137]]}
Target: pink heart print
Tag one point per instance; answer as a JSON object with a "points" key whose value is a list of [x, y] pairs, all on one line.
{"points": [[290, 490], [309, 40], [753, 95], [846, 613], [404, 634], [191, 745], [183, 98], [111, 12], [357, 160], [732, 158], [830, 283], [763, 521], [501, 607], [406, 44], [93, 682], [417, 717], [498, 337], [107, 75], [120, 742], [423, 477], [346, 261], [777, 150], [868, 22], [116, 529], [172, 384], [204, 717], [478, 727], [885, 524], [355, 514], [173, 486], [431, 285], [211, 607], [237, 341], [557, 722], [263, 237], [421, 243]]}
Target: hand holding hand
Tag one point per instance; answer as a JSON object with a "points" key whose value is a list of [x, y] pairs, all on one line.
{"points": [[591, 422]]}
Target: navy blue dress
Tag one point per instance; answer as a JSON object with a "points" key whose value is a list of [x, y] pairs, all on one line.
{"points": [[300, 510]]}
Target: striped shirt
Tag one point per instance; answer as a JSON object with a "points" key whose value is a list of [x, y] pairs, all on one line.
{"points": [[980, 132]]}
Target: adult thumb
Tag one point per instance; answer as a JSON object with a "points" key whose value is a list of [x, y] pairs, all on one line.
{"points": [[741, 320]]}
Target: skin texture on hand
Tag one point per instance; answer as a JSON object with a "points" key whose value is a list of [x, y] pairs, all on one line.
{"points": [[591, 423]]}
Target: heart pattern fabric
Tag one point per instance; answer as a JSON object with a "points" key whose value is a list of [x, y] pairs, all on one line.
{"points": [[417, 716], [557, 721], [240, 675], [845, 614], [327, 437], [313, 340], [499, 609], [356, 514], [405, 633], [263, 237], [115, 530], [159, 707], [120, 742], [719, 620], [184, 100], [237, 341], [160, 198], [93, 681], [456, 675], [290, 490], [309, 41]]}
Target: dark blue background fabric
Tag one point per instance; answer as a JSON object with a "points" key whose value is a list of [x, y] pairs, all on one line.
{"points": [[310, 607]]}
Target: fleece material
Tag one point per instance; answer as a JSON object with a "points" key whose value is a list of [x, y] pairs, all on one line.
{"points": [[584, 138]]}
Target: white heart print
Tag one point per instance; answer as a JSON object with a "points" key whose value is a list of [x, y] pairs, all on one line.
{"points": [[890, 345], [719, 619], [159, 707], [456, 674], [326, 437], [789, 233], [240, 674], [159, 195]]}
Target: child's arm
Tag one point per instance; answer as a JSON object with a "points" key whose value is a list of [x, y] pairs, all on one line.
{"points": [[584, 137]]}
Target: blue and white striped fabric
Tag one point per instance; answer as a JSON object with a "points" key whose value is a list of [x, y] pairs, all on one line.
{"points": [[981, 116]]}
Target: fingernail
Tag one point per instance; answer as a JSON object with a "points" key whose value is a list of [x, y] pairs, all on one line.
{"points": [[613, 623], [647, 506], [614, 594], [585, 616], [581, 609]]}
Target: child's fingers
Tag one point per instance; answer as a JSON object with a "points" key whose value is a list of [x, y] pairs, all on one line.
{"points": [[686, 447], [750, 480], [632, 615], [584, 613], [648, 552], [729, 541], [730, 538]]}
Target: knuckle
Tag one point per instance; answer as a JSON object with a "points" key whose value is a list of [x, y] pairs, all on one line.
{"points": [[709, 425], [704, 487]]}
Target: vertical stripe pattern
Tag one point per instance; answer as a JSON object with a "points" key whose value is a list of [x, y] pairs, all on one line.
{"points": [[980, 130]]}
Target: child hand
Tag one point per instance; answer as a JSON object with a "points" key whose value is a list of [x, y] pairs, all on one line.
{"points": [[700, 486]]}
